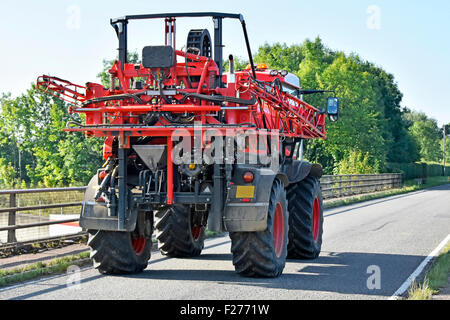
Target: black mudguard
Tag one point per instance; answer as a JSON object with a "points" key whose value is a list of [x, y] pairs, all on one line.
{"points": [[94, 215], [297, 171], [251, 216]]}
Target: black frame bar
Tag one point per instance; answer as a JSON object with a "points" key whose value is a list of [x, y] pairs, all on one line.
{"points": [[120, 25]]}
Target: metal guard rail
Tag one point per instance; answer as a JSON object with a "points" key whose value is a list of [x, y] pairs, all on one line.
{"points": [[333, 187]]}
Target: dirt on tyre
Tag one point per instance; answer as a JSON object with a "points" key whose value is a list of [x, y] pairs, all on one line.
{"points": [[177, 234], [119, 252], [305, 205], [263, 254]]}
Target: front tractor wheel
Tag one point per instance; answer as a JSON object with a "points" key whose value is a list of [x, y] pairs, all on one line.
{"points": [[263, 254], [306, 219], [119, 252]]}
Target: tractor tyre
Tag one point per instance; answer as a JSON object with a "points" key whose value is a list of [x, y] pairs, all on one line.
{"points": [[116, 252], [176, 233], [263, 253], [305, 219]]}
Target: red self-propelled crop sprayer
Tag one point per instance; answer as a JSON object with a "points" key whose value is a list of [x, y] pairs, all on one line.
{"points": [[189, 147]]}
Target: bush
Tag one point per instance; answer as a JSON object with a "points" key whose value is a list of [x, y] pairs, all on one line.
{"points": [[7, 174], [357, 163]]}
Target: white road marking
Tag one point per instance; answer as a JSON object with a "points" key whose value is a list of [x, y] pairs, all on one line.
{"points": [[419, 269]]}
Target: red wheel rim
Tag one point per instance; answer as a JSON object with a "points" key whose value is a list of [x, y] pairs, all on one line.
{"points": [[316, 219], [196, 232], [278, 230], [139, 245]]}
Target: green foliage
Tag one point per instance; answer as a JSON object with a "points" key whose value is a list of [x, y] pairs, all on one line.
{"points": [[33, 124], [239, 64], [447, 149], [357, 163], [372, 122], [417, 170], [426, 134], [7, 174]]}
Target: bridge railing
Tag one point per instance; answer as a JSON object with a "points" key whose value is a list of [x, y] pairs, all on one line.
{"points": [[349, 185], [26, 217], [33, 214]]}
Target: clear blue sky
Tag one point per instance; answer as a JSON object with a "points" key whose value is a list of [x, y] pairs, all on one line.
{"points": [[409, 39]]}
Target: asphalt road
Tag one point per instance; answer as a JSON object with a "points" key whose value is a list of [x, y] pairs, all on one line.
{"points": [[369, 250]]}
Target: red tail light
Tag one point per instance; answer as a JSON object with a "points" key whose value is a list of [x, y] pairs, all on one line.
{"points": [[248, 177], [102, 175]]}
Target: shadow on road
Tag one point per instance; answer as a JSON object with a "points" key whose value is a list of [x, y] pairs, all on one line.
{"points": [[345, 273]]}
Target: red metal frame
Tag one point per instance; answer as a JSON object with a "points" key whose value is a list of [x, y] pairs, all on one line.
{"points": [[281, 111], [115, 112]]}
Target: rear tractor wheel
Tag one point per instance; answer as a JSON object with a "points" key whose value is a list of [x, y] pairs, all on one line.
{"points": [[263, 254]]}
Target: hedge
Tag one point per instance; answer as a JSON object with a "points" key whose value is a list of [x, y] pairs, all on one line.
{"points": [[417, 170]]}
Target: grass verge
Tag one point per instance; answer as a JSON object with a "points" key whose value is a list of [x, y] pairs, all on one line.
{"points": [[435, 278], [35, 270], [409, 186]]}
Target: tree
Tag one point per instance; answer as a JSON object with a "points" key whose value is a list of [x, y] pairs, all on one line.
{"points": [[371, 121], [427, 134], [280, 56], [447, 143], [8, 176], [239, 64], [32, 124]]}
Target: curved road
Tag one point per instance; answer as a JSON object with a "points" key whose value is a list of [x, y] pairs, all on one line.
{"points": [[369, 250]]}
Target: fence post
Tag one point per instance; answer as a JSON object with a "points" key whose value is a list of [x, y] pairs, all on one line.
{"points": [[12, 218]]}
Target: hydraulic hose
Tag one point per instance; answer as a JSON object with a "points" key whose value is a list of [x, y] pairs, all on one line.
{"points": [[218, 99], [115, 97]]}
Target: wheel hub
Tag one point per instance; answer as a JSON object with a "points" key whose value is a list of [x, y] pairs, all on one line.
{"points": [[278, 230]]}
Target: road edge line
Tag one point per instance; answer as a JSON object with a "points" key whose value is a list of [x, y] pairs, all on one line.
{"points": [[419, 269]]}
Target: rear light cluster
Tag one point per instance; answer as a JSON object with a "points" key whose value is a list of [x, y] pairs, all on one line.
{"points": [[102, 175], [248, 177]]}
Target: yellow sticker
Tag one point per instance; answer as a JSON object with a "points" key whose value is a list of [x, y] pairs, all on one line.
{"points": [[245, 192]]}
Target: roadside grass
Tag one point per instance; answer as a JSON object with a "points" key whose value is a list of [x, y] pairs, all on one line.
{"points": [[435, 278], [408, 186], [35, 270]]}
